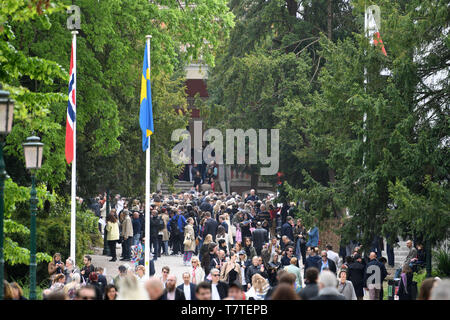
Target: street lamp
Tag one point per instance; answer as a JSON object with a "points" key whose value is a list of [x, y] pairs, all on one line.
{"points": [[33, 149], [6, 118]]}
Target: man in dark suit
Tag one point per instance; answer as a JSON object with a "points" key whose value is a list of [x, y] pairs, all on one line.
{"points": [[259, 237], [219, 289], [326, 263], [172, 292], [356, 276], [311, 289], [375, 285], [287, 229], [210, 226], [187, 287]]}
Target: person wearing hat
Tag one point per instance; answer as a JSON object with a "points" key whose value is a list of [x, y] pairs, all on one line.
{"points": [[235, 291], [355, 274]]}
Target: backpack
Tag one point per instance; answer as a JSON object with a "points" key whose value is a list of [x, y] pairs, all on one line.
{"points": [[174, 226]]}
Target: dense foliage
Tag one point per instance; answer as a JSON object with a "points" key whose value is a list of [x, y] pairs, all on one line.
{"points": [[299, 66], [34, 59]]}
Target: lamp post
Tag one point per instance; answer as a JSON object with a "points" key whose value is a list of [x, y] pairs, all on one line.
{"points": [[106, 251], [6, 118], [33, 149]]}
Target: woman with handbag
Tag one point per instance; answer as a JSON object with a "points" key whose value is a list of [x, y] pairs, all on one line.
{"points": [[189, 241], [112, 229], [231, 271]]}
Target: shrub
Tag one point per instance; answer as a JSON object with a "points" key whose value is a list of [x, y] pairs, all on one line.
{"points": [[442, 260]]}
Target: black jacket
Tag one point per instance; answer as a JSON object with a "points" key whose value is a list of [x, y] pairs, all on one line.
{"points": [[328, 297], [156, 225], [179, 294], [368, 273], [252, 270], [181, 287], [310, 291], [287, 230], [259, 237], [206, 206], [222, 288], [211, 228], [356, 276], [405, 292], [331, 265]]}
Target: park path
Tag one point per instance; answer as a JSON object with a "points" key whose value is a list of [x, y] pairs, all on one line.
{"points": [[175, 264]]}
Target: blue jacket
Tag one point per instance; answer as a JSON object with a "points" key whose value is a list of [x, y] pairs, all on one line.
{"points": [[313, 240], [312, 261], [181, 222], [287, 230]]}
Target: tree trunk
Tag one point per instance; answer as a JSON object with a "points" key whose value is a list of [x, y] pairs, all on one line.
{"points": [[330, 18], [292, 6], [331, 175], [428, 257]]}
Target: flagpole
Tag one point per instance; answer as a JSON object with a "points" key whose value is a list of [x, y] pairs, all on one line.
{"points": [[74, 162], [366, 26], [147, 188]]}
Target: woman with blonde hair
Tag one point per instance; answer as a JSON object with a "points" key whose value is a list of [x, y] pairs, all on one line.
{"points": [[17, 291], [205, 246], [7, 291], [130, 289], [196, 271], [259, 288], [231, 229], [189, 241], [231, 271]]}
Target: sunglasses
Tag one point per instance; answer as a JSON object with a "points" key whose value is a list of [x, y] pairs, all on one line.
{"points": [[215, 275], [165, 272], [87, 298]]}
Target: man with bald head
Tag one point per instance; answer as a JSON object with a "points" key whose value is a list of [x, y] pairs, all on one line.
{"points": [[155, 288], [374, 275], [412, 253], [172, 292]]}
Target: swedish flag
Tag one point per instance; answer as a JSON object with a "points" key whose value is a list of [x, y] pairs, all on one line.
{"points": [[146, 112]]}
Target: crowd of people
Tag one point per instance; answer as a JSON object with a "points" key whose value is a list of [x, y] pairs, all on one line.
{"points": [[233, 247]]}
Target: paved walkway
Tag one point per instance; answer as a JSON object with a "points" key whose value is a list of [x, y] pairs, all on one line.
{"points": [[175, 264]]}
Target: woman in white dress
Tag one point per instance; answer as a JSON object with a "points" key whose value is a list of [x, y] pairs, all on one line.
{"points": [[196, 271]]}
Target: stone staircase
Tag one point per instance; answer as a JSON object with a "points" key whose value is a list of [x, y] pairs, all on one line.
{"points": [[400, 254], [180, 186]]}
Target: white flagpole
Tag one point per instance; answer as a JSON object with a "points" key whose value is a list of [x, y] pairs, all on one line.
{"points": [[74, 162], [147, 188]]}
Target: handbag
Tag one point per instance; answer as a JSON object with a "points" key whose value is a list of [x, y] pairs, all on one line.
{"points": [[187, 240]]}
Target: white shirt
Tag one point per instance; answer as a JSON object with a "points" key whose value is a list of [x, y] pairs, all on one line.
{"points": [[171, 295], [214, 292], [187, 291], [333, 256]]}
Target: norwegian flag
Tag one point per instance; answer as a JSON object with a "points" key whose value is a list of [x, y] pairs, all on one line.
{"points": [[374, 33], [71, 111]]}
